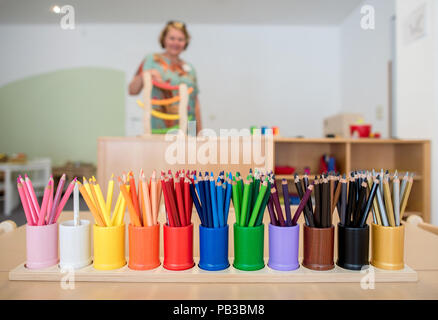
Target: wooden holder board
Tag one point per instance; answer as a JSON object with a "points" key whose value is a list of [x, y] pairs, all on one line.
{"points": [[230, 275]]}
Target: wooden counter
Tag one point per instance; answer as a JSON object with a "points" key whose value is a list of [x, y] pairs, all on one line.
{"points": [[418, 243]]}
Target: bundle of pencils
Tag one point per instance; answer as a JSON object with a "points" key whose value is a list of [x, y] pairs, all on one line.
{"points": [[331, 192], [51, 207], [142, 200], [276, 215], [250, 197], [178, 199], [212, 197], [388, 206], [101, 207]]}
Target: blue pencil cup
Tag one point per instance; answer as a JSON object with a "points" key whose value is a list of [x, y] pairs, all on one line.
{"points": [[213, 247]]}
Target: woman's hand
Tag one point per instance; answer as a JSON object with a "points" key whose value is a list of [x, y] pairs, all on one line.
{"points": [[136, 84]]}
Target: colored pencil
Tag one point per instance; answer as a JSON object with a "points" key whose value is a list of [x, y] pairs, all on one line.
{"points": [[147, 214], [264, 203], [197, 204], [97, 218], [375, 206], [344, 195], [188, 200], [388, 202], [277, 206], [245, 202], [258, 203], [213, 200], [200, 191], [207, 194], [403, 185], [154, 198], [396, 198], [64, 200], [405, 197], [308, 213], [33, 213], [302, 205], [169, 185], [41, 216], [228, 198], [101, 202], [382, 210], [134, 198], [76, 219], [50, 202], [250, 195], [133, 215], [32, 195], [284, 185], [24, 203], [220, 203], [180, 202], [236, 201], [361, 200], [109, 194], [114, 217], [325, 205], [317, 214], [370, 201]]}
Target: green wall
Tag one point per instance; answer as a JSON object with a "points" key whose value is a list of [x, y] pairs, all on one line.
{"points": [[61, 114]]}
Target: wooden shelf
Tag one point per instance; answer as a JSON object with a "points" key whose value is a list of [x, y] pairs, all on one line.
{"points": [[362, 154]]}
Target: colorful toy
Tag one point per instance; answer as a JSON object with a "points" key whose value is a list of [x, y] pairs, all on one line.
{"points": [[182, 99]]}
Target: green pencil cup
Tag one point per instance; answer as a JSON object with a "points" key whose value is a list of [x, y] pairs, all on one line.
{"points": [[248, 247]]}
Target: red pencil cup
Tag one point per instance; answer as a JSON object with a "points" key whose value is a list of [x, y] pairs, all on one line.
{"points": [[41, 246], [178, 247], [144, 247]]}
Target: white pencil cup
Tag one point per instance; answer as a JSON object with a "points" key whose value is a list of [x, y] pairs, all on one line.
{"points": [[74, 244]]}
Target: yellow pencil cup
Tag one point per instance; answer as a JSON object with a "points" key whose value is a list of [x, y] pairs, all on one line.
{"points": [[387, 247], [109, 247]]}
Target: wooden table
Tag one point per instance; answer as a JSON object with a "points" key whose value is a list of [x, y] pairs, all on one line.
{"points": [[421, 254]]}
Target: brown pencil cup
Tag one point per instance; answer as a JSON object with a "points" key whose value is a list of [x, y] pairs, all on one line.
{"points": [[387, 247], [318, 248], [144, 247]]}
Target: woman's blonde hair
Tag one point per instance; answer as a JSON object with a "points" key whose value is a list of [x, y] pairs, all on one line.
{"points": [[177, 25]]}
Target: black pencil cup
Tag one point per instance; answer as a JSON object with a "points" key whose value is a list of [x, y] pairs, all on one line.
{"points": [[353, 247]]}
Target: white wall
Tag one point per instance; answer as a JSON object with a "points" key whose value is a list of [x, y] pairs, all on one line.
{"points": [[417, 84], [365, 56], [248, 75]]}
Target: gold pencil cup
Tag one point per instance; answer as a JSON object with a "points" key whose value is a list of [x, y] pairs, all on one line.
{"points": [[387, 247]]}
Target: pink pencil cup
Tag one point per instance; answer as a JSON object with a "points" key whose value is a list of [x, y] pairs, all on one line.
{"points": [[42, 246]]}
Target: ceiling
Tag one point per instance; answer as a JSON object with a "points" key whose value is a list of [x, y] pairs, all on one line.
{"points": [[281, 12]]}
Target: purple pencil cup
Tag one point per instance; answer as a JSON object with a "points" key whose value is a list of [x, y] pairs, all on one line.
{"points": [[283, 247]]}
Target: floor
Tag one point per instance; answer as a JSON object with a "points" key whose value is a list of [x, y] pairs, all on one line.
{"points": [[19, 218]]}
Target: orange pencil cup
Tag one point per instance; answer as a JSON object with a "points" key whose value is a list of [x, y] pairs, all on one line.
{"points": [[144, 247], [387, 247], [178, 247]]}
